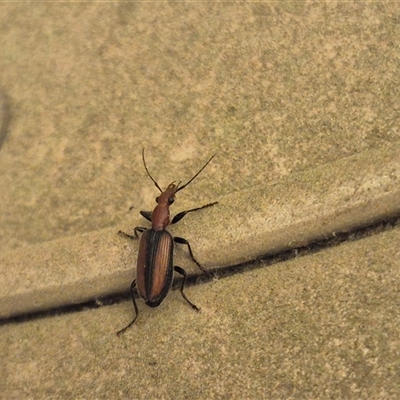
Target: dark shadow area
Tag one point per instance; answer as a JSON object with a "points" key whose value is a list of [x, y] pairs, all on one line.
{"points": [[5, 116], [218, 273]]}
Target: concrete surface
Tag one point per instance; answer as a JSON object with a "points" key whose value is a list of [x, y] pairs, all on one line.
{"points": [[322, 326], [300, 209], [300, 103]]}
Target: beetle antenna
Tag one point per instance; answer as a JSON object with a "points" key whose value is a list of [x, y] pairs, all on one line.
{"points": [[187, 183], [148, 173]]}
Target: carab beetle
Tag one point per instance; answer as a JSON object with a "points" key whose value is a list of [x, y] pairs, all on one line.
{"points": [[154, 271]]}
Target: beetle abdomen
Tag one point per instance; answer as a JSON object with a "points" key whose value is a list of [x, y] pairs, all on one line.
{"points": [[154, 268]]}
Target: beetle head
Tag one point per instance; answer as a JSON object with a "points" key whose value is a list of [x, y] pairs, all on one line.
{"points": [[167, 197]]}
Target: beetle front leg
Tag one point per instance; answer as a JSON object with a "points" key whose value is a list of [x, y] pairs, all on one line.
{"points": [[140, 229], [181, 271], [180, 215], [133, 286], [146, 214]]}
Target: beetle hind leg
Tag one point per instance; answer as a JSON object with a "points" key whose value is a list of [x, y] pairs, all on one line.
{"points": [[181, 271], [133, 286]]}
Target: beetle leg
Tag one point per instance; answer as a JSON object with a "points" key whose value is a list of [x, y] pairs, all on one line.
{"points": [[136, 230], [133, 286], [139, 229], [146, 214], [184, 241], [181, 271], [180, 215]]}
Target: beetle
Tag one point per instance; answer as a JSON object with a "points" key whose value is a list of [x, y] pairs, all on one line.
{"points": [[154, 271]]}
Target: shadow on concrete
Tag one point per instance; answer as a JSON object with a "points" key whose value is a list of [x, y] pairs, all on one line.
{"points": [[5, 116]]}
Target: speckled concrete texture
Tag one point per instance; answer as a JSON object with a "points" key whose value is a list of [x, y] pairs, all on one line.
{"points": [[272, 89], [302, 208], [320, 326], [300, 102]]}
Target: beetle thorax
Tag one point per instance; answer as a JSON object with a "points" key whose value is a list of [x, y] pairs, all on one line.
{"points": [[160, 218], [160, 215]]}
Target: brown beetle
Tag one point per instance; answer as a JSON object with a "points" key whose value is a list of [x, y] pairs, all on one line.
{"points": [[154, 271]]}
